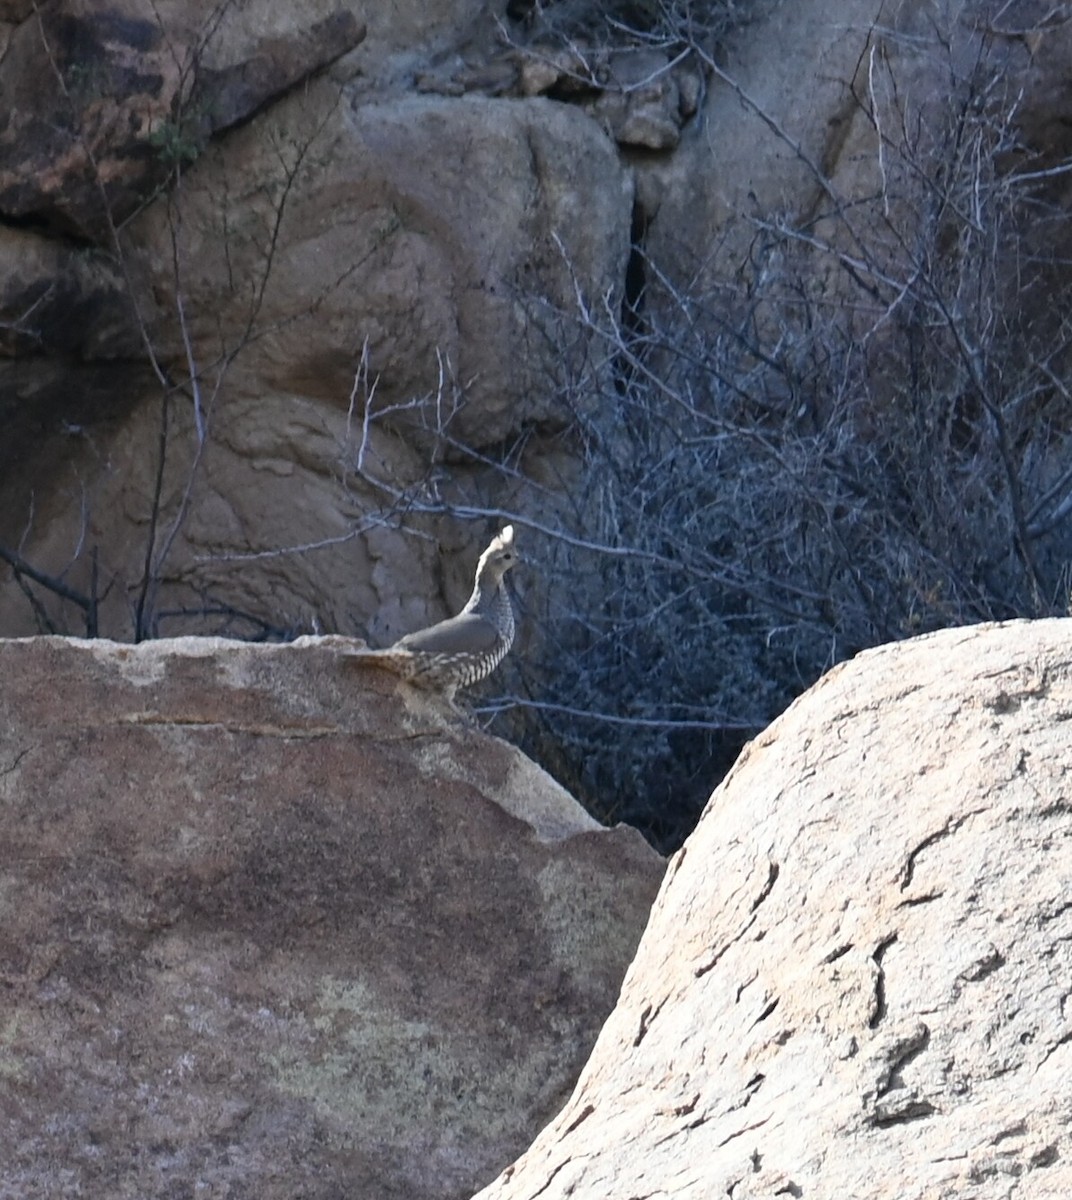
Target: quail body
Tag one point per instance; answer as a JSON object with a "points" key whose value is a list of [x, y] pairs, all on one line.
{"points": [[464, 649]]}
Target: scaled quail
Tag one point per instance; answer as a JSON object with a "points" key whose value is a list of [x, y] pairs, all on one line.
{"points": [[463, 649]]}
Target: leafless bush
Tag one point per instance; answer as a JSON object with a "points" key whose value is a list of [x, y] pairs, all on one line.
{"points": [[584, 43], [859, 433], [622, 22]]}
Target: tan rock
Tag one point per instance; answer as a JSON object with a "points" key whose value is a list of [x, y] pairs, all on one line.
{"points": [[101, 101], [401, 234], [539, 74], [426, 226], [632, 93], [855, 981], [570, 71], [269, 925], [646, 122], [732, 165], [642, 104]]}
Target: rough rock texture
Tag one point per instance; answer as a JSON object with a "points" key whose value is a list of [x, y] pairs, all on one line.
{"points": [[98, 101], [641, 97], [417, 227], [768, 138], [415, 234], [733, 166], [857, 979], [418, 207], [271, 927]]}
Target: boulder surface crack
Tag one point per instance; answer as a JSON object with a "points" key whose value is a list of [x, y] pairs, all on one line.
{"points": [[898, 1054], [768, 887], [764, 892], [647, 1019], [283, 732], [878, 1006], [948, 829], [580, 1119]]}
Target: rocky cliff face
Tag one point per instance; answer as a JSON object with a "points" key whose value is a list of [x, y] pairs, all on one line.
{"points": [[275, 216], [329, 224], [856, 978], [270, 927], [758, 357]]}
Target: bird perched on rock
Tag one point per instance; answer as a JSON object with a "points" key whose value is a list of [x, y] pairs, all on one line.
{"points": [[464, 649]]}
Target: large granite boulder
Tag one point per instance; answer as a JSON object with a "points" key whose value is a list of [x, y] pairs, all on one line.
{"points": [[275, 926], [856, 979]]}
